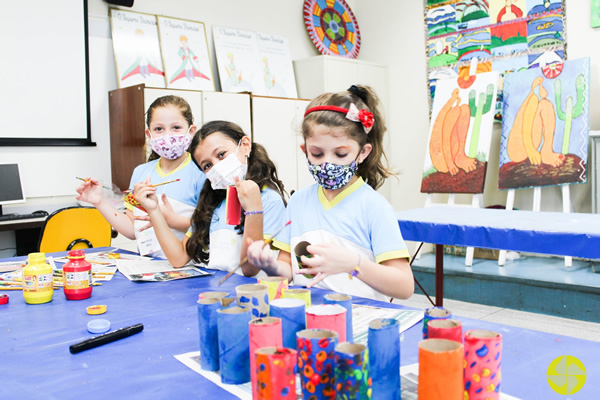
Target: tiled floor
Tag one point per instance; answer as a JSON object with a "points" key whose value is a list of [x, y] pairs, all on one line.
{"points": [[521, 319]]}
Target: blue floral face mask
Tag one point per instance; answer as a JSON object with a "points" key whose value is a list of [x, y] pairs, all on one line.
{"points": [[332, 176]]}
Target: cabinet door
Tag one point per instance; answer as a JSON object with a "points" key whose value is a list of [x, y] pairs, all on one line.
{"points": [[340, 74], [234, 107], [276, 126]]}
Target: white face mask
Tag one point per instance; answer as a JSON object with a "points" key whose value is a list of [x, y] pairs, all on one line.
{"points": [[223, 173], [171, 146]]}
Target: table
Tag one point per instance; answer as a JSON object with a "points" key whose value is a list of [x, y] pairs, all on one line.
{"points": [[35, 359], [574, 234], [27, 233]]}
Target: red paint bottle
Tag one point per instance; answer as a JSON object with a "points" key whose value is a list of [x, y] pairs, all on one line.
{"points": [[77, 276]]}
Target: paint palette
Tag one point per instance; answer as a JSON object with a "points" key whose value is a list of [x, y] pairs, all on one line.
{"points": [[130, 199]]}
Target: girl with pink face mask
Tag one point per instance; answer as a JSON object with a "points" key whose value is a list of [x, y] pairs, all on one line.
{"points": [[169, 132], [228, 157]]}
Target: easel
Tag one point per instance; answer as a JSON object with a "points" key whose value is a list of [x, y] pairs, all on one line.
{"points": [[537, 199], [476, 202]]}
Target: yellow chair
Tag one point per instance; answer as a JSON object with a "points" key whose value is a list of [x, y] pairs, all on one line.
{"points": [[74, 228]]}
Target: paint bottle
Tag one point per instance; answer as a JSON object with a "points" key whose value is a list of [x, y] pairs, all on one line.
{"points": [[37, 279], [77, 276]]}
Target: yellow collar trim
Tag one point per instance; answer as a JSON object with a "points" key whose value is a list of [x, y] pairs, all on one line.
{"points": [[185, 162], [341, 196]]}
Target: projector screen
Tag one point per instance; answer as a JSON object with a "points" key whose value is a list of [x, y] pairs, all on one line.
{"points": [[44, 72]]}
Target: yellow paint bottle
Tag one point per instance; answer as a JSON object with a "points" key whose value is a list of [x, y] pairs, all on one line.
{"points": [[37, 279]]}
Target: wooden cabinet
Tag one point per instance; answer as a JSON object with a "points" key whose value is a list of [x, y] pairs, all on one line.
{"points": [[127, 111]]}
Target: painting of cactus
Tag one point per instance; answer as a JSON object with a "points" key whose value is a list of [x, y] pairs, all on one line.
{"points": [[545, 126], [460, 133]]}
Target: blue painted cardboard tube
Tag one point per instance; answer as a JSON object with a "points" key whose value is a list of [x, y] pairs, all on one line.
{"points": [[209, 338], [431, 314], [293, 318], [345, 301], [234, 345], [384, 358]]}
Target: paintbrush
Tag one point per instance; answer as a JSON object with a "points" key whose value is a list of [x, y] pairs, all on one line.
{"points": [[87, 180], [245, 260], [158, 184]]}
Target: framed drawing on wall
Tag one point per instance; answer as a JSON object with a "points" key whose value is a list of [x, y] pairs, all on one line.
{"points": [[137, 49], [184, 49]]}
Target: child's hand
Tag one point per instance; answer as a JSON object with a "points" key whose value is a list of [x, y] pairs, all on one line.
{"points": [[146, 195], [167, 210], [248, 194], [328, 259], [90, 191], [261, 255]]}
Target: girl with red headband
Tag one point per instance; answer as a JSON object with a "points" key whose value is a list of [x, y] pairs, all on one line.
{"points": [[355, 243]]}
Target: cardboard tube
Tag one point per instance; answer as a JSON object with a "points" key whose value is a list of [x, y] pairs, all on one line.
{"points": [[264, 332], [483, 360], [345, 301], [254, 297], [316, 362], [234, 349], [293, 318], [327, 316], [303, 294], [450, 329], [207, 328], [275, 373], [212, 295], [352, 377], [384, 356], [276, 285], [440, 370], [434, 313]]}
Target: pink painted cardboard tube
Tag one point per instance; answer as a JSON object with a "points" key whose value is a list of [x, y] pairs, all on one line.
{"points": [[264, 332], [327, 316]]}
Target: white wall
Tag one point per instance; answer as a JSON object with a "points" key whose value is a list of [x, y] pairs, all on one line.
{"points": [[392, 34], [408, 116]]}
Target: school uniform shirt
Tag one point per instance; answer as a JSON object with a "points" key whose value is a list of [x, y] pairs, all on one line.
{"points": [[359, 219], [182, 195], [226, 242]]}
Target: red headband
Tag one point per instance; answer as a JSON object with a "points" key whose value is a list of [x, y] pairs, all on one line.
{"points": [[363, 116]]}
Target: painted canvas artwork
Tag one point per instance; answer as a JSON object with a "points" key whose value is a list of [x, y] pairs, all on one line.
{"points": [[460, 132], [472, 13], [507, 10], [185, 54], [545, 127], [503, 32], [595, 13], [137, 49]]}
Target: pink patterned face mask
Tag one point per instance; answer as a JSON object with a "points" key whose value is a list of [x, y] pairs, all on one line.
{"points": [[171, 146]]}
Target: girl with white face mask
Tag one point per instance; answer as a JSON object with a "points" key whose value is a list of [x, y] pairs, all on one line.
{"points": [[169, 132], [228, 158]]}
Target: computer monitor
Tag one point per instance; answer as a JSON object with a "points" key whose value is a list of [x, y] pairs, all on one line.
{"points": [[11, 186]]}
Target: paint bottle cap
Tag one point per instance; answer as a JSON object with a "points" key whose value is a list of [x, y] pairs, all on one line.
{"points": [[98, 326], [3, 298], [97, 309]]}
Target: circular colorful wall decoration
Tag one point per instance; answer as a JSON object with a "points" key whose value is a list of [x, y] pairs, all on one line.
{"points": [[332, 27]]}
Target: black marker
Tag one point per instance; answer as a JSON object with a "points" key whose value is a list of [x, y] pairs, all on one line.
{"points": [[106, 338]]}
